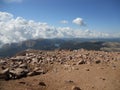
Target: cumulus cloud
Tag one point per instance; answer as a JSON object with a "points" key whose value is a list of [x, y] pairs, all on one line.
{"points": [[79, 21], [19, 29], [64, 21], [5, 16], [12, 1]]}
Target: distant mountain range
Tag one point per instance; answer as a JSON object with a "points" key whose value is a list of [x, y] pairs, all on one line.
{"points": [[112, 44]]}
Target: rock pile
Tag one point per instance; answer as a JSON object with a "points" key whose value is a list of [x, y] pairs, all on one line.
{"points": [[34, 62]]}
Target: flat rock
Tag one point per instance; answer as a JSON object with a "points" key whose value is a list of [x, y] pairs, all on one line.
{"points": [[33, 73], [80, 62], [4, 71], [24, 65]]}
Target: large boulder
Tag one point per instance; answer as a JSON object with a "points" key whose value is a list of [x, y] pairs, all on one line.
{"points": [[4, 74], [18, 73], [2, 62]]}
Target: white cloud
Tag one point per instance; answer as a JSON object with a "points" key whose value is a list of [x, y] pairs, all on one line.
{"points": [[12, 1], [5, 16], [64, 21], [19, 29], [78, 21]]}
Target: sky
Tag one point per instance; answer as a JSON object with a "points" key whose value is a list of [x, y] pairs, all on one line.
{"points": [[58, 18]]}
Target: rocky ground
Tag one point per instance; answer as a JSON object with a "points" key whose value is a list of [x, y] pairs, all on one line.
{"points": [[61, 70]]}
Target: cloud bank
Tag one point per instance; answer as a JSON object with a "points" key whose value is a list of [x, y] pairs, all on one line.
{"points": [[19, 29]]}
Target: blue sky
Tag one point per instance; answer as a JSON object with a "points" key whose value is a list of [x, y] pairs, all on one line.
{"points": [[98, 15]]}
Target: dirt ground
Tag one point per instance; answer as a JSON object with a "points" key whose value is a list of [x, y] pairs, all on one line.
{"points": [[102, 76]]}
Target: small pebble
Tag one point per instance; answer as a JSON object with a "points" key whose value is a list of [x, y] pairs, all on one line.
{"points": [[42, 84], [75, 88]]}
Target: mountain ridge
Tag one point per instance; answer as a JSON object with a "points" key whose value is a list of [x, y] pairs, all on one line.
{"points": [[52, 44]]}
